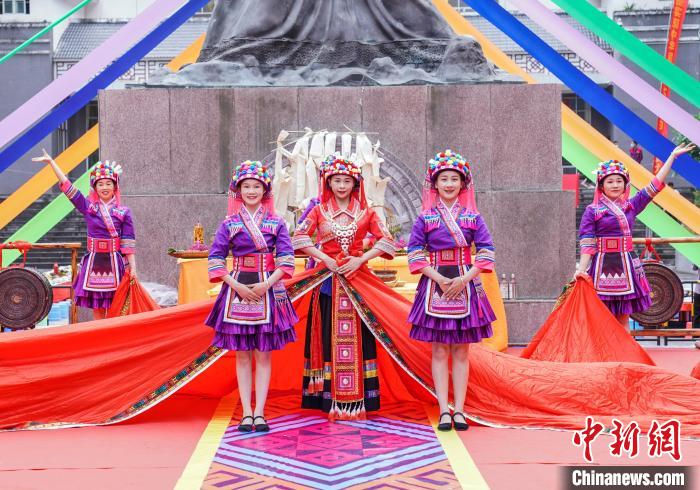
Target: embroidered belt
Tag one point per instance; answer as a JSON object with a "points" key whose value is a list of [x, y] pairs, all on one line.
{"points": [[608, 244], [451, 256], [264, 262], [103, 245]]}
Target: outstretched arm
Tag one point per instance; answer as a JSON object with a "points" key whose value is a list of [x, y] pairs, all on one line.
{"points": [[46, 158], [71, 192], [677, 151]]}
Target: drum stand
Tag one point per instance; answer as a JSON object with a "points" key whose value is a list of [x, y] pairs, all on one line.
{"points": [[666, 292], [24, 247]]}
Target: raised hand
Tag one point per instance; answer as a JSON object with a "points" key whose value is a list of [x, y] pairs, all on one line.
{"points": [[682, 149], [45, 158]]}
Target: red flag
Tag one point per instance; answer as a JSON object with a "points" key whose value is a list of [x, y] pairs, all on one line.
{"points": [[675, 27]]}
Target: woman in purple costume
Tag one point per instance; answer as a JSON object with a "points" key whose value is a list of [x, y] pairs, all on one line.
{"points": [[111, 237], [252, 314], [450, 309], [605, 234]]}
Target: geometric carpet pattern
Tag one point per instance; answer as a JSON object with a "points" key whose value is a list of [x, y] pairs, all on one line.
{"points": [[397, 449]]}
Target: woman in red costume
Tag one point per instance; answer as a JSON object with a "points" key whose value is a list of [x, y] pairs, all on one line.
{"points": [[340, 365]]}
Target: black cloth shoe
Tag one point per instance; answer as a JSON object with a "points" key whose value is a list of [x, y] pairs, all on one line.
{"points": [[460, 425], [445, 426], [261, 427], [246, 427]]}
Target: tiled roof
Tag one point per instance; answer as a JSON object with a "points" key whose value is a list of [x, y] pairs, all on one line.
{"points": [[507, 45], [80, 38]]}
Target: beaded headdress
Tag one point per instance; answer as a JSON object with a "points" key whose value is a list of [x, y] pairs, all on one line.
{"points": [[105, 170], [250, 169], [449, 160]]}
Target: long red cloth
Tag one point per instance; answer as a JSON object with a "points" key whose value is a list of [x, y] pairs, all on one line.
{"points": [[106, 371], [130, 298], [695, 373], [582, 329]]}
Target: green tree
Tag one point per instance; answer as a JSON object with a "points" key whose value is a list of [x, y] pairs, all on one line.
{"points": [[695, 155], [679, 138]]}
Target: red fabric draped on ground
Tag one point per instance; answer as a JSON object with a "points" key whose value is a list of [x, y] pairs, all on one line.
{"points": [[130, 298], [512, 391], [695, 373], [106, 371], [92, 372], [582, 329]]}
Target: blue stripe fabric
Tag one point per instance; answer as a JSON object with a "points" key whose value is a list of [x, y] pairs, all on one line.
{"points": [[586, 88], [79, 99]]}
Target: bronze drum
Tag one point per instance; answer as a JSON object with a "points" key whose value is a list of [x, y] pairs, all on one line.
{"points": [[25, 298], [666, 295]]}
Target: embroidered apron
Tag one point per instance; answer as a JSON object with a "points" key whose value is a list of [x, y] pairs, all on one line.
{"points": [[250, 270], [450, 263], [102, 270], [347, 377], [612, 271]]}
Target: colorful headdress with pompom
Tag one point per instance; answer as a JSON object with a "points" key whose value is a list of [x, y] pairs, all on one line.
{"points": [[336, 164], [250, 169], [607, 168], [612, 167], [105, 170], [449, 160]]}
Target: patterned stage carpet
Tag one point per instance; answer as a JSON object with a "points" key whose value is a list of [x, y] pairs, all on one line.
{"points": [[395, 450]]}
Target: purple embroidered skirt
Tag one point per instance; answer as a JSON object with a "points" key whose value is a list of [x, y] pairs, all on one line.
{"points": [[271, 335], [96, 299], [625, 304], [470, 329]]}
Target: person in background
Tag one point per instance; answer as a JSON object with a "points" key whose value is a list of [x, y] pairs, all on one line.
{"points": [[111, 240], [636, 152], [605, 233]]}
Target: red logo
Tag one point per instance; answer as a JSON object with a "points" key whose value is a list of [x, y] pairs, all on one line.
{"points": [[626, 439], [663, 438], [587, 436]]}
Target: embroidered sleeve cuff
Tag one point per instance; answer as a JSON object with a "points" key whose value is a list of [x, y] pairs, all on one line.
{"points": [[217, 269], [418, 260], [387, 247], [68, 189], [485, 259], [654, 187], [300, 241], [286, 264], [588, 246], [127, 246]]}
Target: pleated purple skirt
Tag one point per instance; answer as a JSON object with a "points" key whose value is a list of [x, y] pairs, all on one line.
{"points": [[470, 329], [263, 337], [94, 299]]}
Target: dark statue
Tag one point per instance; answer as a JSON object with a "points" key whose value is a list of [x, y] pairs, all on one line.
{"points": [[330, 42]]}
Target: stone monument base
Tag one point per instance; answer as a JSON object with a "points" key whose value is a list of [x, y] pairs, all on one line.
{"points": [[177, 147]]}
